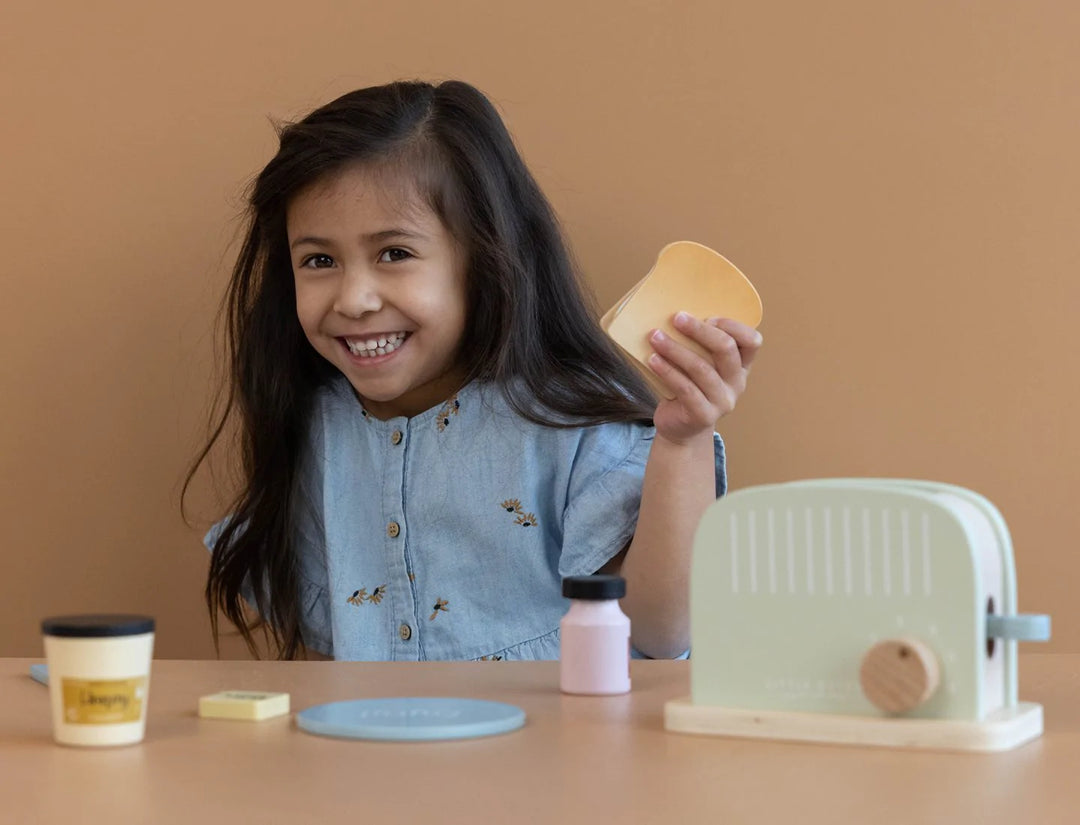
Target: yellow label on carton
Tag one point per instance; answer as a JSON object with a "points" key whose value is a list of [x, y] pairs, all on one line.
{"points": [[103, 701]]}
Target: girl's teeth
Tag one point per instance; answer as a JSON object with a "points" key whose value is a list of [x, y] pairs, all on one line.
{"points": [[376, 346]]}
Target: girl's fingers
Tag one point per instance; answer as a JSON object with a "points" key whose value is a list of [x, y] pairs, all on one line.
{"points": [[727, 358], [747, 338], [703, 374], [685, 390], [714, 334], [705, 388]]}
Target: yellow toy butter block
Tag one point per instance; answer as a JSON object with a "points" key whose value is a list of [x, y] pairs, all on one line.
{"points": [[687, 277], [243, 704]]}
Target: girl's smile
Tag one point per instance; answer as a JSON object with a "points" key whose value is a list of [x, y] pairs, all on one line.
{"points": [[380, 289], [372, 346]]}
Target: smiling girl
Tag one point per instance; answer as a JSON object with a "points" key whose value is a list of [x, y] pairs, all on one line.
{"points": [[435, 430]]}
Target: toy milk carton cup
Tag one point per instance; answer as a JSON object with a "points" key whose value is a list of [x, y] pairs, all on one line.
{"points": [[859, 611], [99, 677]]}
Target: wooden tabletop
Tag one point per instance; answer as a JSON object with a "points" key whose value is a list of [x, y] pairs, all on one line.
{"points": [[578, 759]]}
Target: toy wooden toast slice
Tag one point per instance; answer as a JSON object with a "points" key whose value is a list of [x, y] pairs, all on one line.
{"points": [[688, 277]]}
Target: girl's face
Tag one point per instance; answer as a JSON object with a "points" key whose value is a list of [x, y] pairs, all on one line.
{"points": [[380, 291]]}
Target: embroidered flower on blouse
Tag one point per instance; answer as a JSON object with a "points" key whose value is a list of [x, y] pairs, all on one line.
{"points": [[360, 596], [512, 505], [451, 407], [491, 658], [440, 607]]}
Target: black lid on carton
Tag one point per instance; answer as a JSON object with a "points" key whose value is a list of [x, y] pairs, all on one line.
{"points": [[594, 588], [100, 625]]}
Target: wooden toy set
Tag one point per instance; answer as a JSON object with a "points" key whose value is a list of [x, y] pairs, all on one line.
{"points": [[858, 611]]}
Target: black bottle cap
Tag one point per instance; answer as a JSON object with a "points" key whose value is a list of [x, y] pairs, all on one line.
{"points": [[97, 626], [594, 588]]}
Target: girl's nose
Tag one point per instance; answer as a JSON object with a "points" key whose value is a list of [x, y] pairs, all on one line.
{"points": [[358, 294]]}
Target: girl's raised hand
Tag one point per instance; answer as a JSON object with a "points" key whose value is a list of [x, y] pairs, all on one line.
{"points": [[704, 389]]}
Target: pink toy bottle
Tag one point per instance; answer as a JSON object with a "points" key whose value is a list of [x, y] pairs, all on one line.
{"points": [[594, 654]]}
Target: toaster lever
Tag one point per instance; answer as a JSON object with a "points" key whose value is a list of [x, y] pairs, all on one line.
{"points": [[1024, 627]]}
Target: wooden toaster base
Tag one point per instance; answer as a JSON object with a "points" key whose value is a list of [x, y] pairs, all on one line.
{"points": [[1002, 730]]}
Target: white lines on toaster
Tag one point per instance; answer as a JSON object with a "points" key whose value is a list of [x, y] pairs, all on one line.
{"points": [[885, 550], [733, 545], [925, 525], [847, 550], [867, 568], [809, 552], [752, 531], [790, 551], [905, 549], [770, 524], [828, 552]]}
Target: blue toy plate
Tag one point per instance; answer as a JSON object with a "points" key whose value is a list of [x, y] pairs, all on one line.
{"points": [[40, 673], [411, 719]]}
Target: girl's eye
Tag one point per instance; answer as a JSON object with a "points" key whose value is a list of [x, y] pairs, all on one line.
{"points": [[393, 255], [317, 262]]}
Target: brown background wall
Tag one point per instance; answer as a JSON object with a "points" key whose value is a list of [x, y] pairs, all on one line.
{"points": [[899, 180]]}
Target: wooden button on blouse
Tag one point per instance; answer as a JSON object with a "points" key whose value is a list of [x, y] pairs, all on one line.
{"points": [[405, 632], [392, 529], [395, 439]]}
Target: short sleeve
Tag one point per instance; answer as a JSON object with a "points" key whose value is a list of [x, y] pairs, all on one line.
{"points": [[604, 496]]}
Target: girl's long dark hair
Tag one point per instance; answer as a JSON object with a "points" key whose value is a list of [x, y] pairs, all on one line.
{"points": [[529, 325]]}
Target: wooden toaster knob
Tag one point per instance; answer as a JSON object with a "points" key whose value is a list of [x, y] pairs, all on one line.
{"points": [[898, 675]]}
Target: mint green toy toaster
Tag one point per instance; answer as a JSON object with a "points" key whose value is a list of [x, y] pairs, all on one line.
{"points": [[862, 611]]}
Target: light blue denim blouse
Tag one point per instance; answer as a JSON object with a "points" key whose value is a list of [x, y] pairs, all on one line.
{"points": [[446, 535]]}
